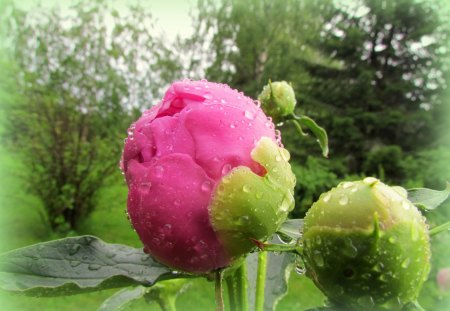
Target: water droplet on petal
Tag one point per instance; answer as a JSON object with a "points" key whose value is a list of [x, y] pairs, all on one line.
{"points": [[343, 200], [327, 197], [249, 115], [405, 205], [159, 171], [347, 184], [370, 181], [246, 188], [300, 270], [206, 186], [145, 187], [226, 169]]}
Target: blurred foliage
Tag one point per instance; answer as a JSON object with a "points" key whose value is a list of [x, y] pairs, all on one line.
{"points": [[371, 72], [80, 77]]}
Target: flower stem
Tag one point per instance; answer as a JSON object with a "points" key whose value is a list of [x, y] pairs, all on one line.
{"points": [[219, 291], [241, 288], [237, 284], [167, 302], [232, 296], [260, 281], [440, 228]]}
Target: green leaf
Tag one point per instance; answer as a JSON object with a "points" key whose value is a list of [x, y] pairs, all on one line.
{"points": [[122, 298], [292, 228], [319, 132], [75, 265], [279, 267], [428, 198]]}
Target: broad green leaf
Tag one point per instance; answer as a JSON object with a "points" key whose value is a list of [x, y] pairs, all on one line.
{"points": [[279, 267], [319, 132], [75, 265], [122, 298], [428, 198], [292, 228]]}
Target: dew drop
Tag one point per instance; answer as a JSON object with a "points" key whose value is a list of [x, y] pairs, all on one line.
{"points": [[350, 250], [300, 270], [246, 188], [347, 184], [318, 259], [232, 125], [327, 197], [145, 258], [75, 263], [405, 205], [278, 158], [285, 204], [370, 181], [159, 171], [94, 267], [258, 195], [405, 263], [145, 187], [74, 249], [226, 169], [206, 186], [249, 115], [343, 200], [167, 227]]}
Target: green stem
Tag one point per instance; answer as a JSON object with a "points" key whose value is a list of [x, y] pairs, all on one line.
{"points": [[167, 302], [219, 291], [299, 127], [440, 228], [241, 287], [260, 281], [232, 295]]}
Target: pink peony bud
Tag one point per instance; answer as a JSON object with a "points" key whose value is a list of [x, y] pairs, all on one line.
{"points": [[205, 174]]}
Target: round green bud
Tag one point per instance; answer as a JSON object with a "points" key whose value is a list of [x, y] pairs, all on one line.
{"points": [[366, 246], [278, 99]]}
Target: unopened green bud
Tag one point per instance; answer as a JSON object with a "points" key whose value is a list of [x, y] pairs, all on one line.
{"points": [[278, 99], [366, 246]]}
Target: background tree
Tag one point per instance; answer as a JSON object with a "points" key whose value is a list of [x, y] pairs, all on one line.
{"points": [[82, 72], [371, 72], [387, 101]]}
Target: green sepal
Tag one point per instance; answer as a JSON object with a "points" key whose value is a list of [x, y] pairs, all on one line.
{"points": [[248, 206], [318, 131]]}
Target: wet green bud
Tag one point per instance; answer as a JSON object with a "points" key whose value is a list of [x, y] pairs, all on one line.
{"points": [[278, 99], [366, 246]]}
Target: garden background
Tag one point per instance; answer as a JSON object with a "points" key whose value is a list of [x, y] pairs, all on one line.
{"points": [[373, 73]]}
